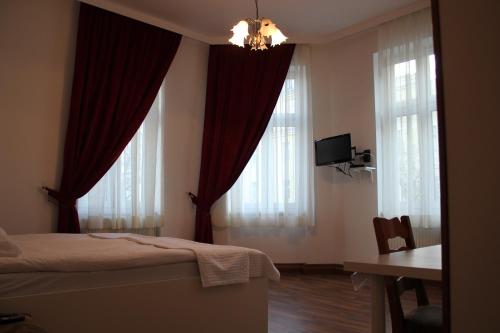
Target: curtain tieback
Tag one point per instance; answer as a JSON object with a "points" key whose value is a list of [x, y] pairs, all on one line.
{"points": [[202, 207], [61, 199]]}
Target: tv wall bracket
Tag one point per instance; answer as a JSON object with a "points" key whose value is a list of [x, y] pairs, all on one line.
{"points": [[359, 163]]}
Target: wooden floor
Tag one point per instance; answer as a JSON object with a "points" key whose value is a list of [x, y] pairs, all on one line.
{"points": [[320, 303]]}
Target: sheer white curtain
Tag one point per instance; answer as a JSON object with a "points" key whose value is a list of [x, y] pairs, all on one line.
{"points": [[130, 196], [407, 142], [277, 185]]}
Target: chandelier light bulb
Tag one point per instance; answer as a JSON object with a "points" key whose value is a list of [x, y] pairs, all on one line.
{"points": [[240, 32], [277, 38], [267, 27]]}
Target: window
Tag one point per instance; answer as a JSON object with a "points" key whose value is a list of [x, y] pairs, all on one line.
{"points": [[406, 113], [276, 186], [129, 196], [409, 128]]}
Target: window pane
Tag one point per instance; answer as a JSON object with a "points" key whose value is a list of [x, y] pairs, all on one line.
{"points": [[405, 80]]}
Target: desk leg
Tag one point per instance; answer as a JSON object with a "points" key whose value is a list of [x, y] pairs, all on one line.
{"points": [[378, 304]]}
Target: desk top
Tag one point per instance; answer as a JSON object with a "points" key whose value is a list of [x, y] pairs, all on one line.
{"points": [[422, 263]]}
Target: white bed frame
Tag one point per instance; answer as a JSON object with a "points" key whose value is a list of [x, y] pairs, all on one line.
{"points": [[172, 306]]}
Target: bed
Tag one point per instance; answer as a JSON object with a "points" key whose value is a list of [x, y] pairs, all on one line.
{"points": [[131, 283]]}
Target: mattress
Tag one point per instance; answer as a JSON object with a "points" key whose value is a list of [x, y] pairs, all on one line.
{"points": [[37, 283]]}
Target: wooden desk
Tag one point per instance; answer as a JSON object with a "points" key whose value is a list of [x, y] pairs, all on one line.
{"points": [[422, 263]]}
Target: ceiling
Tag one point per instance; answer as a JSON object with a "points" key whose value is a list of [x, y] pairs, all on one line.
{"points": [[310, 21]]}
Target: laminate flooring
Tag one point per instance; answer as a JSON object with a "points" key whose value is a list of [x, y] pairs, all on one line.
{"points": [[326, 303]]}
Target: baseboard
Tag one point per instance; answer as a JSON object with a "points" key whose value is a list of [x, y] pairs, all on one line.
{"points": [[304, 268]]}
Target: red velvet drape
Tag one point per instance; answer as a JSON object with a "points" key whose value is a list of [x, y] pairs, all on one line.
{"points": [[243, 87], [120, 64]]}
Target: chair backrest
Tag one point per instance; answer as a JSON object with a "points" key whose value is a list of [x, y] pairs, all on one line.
{"points": [[386, 229]]}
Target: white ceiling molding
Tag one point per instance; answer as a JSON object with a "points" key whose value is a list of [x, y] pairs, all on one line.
{"points": [[375, 21], [116, 7], [150, 19]]}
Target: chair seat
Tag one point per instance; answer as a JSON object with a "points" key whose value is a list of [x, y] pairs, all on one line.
{"points": [[424, 319]]}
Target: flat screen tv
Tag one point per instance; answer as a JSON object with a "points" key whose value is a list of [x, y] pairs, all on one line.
{"points": [[336, 149]]}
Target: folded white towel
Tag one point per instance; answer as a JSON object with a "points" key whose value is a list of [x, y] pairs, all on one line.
{"points": [[7, 247], [218, 264]]}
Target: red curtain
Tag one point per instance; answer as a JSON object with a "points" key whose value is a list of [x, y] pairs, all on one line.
{"points": [[119, 67], [243, 87]]}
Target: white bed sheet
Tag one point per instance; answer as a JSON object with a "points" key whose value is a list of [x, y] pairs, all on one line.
{"points": [[81, 253], [38, 283]]}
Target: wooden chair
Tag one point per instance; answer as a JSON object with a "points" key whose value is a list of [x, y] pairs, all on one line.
{"points": [[425, 318]]}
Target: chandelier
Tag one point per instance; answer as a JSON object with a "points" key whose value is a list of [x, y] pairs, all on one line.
{"points": [[256, 32]]}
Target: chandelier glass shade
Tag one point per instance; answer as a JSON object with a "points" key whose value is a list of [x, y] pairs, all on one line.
{"points": [[256, 32]]}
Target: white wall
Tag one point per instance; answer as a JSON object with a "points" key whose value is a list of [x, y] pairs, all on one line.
{"points": [[353, 107], [471, 49], [37, 42], [343, 101], [185, 108]]}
